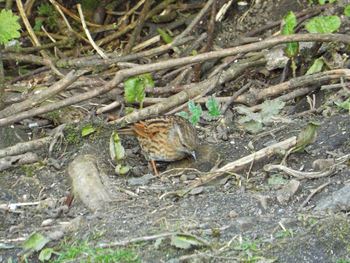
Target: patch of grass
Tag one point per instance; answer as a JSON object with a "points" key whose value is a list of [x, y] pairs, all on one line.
{"points": [[83, 252]]}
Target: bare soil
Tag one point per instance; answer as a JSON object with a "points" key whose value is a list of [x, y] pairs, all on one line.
{"points": [[235, 209]]}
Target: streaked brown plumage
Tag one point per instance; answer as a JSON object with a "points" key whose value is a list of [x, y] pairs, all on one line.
{"points": [[165, 138]]}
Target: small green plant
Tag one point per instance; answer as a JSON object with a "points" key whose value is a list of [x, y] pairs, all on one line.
{"points": [[47, 11], [135, 88], [8, 26], [347, 10], [322, 2], [83, 252], [213, 110], [254, 122]]}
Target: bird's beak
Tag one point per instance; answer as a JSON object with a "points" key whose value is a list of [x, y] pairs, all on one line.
{"points": [[194, 155]]}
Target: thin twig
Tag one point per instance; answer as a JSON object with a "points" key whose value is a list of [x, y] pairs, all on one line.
{"points": [[98, 50]]}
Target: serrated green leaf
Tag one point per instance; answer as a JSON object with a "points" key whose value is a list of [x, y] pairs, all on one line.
{"points": [[45, 10], [8, 26], [45, 254], [185, 241], [347, 10], [290, 22], [38, 23], [195, 109], [182, 114], [213, 107], [36, 242], [165, 36], [194, 119], [323, 24], [316, 66], [87, 130]]}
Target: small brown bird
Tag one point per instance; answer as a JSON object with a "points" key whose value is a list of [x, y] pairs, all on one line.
{"points": [[165, 138]]}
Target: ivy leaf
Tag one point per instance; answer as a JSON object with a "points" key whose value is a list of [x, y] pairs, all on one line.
{"points": [[323, 24], [8, 26]]}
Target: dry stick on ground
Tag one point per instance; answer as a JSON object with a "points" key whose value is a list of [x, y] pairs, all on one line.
{"points": [[95, 61], [212, 85], [23, 147], [139, 25], [43, 95], [156, 109], [246, 161], [313, 192], [129, 27], [149, 238], [98, 50], [194, 22], [35, 39], [308, 80], [299, 174]]}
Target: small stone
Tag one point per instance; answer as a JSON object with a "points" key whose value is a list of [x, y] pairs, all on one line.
{"points": [[286, 192]]}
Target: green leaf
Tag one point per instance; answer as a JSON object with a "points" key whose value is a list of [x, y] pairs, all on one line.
{"points": [[87, 130], [276, 179], [344, 105], [147, 80], [45, 10], [135, 87], [165, 36], [316, 66], [36, 242], [306, 136], [182, 114], [185, 241], [292, 49], [121, 169], [195, 109], [270, 108], [321, 2], [213, 107], [8, 26], [290, 22], [347, 10], [323, 24], [116, 149], [46, 254], [38, 23]]}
